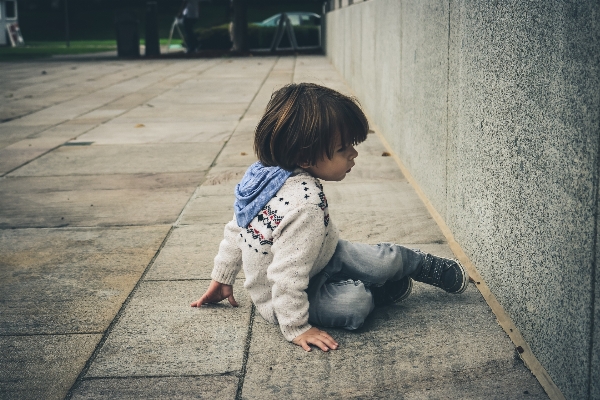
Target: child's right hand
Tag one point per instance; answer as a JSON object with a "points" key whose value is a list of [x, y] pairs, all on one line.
{"points": [[215, 293], [317, 337]]}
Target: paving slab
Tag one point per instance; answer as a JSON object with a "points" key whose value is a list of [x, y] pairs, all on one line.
{"points": [[159, 334], [212, 203], [70, 280], [222, 180], [182, 112], [433, 341], [14, 131], [69, 130], [26, 150], [207, 90], [192, 387], [254, 70], [189, 253], [208, 210], [99, 91], [282, 74], [374, 163], [161, 132], [239, 152], [131, 159], [247, 125], [388, 211], [42, 366], [98, 116], [95, 200]]}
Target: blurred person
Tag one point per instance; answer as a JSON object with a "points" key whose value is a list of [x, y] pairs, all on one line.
{"points": [[189, 14]]}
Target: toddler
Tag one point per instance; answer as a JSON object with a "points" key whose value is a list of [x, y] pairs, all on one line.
{"points": [[299, 273]]}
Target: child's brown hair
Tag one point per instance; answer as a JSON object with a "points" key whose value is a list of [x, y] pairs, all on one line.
{"points": [[302, 122]]}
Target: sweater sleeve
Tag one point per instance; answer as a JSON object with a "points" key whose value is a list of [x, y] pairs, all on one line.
{"points": [[296, 246], [229, 258]]}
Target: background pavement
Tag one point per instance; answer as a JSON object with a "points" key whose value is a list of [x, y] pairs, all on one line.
{"points": [[116, 181]]}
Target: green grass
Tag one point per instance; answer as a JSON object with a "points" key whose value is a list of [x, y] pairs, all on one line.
{"points": [[46, 49], [33, 50]]}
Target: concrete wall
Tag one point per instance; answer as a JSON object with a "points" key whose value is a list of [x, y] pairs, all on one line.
{"points": [[494, 107]]}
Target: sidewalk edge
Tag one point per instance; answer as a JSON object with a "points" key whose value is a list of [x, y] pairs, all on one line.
{"points": [[502, 316]]}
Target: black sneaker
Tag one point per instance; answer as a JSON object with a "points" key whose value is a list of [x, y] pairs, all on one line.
{"points": [[392, 292], [442, 272]]}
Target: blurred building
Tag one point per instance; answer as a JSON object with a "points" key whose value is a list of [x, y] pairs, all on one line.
{"points": [[8, 19]]}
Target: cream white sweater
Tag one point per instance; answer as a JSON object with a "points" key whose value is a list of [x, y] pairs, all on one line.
{"points": [[287, 243]]}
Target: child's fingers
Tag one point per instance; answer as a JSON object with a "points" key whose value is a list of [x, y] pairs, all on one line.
{"points": [[329, 341], [305, 345], [232, 300], [320, 344], [197, 303], [200, 301]]}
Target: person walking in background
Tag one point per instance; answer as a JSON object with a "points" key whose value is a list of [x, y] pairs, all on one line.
{"points": [[190, 13]]}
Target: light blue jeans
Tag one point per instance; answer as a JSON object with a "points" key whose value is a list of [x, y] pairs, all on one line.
{"points": [[339, 295]]}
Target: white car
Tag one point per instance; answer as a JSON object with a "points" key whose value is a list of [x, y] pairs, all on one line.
{"points": [[296, 18]]}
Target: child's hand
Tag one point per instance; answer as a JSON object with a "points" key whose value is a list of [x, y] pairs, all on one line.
{"points": [[215, 293], [317, 337]]}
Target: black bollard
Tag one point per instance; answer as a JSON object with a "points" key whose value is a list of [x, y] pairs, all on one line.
{"points": [[152, 38], [128, 38]]}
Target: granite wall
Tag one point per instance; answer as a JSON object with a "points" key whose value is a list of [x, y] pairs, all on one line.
{"points": [[494, 107]]}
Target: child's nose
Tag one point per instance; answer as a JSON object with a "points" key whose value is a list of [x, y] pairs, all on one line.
{"points": [[353, 153]]}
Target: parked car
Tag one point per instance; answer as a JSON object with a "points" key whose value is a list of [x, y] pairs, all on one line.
{"points": [[297, 18]]}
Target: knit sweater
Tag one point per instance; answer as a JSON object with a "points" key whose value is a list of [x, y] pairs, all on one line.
{"points": [[287, 243]]}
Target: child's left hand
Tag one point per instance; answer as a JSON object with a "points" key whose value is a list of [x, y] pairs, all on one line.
{"points": [[316, 337], [215, 293]]}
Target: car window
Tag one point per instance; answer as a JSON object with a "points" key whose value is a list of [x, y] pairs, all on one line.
{"points": [[294, 19], [271, 21]]}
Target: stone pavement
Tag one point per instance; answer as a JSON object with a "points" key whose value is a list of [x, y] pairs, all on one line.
{"points": [[117, 180]]}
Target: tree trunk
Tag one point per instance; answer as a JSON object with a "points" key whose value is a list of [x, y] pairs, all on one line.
{"points": [[240, 25]]}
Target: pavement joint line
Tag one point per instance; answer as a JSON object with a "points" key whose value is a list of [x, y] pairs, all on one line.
{"points": [[75, 97], [238, 394], [88, 93], [179, 280], [111, 174], [294, 70], [83, 226], [34, 158], [116, 319], [49, 334], [70, 76], [117, 378], [176, 82]]}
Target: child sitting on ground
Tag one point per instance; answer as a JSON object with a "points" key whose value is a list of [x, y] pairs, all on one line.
{"points": [[298, 271]]}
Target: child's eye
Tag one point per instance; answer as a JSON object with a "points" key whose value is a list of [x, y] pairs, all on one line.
{"points": [[342, 149]]}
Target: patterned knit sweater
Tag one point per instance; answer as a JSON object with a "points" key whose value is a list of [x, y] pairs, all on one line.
{"points": [[287, 243]]}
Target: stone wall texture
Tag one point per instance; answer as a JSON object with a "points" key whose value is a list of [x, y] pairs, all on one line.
{"points": [[494, 107]]}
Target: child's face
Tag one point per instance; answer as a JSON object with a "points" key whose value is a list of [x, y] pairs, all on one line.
{"points": [[336, 168]]}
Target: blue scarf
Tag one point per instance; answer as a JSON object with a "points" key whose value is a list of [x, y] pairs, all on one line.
{"points": [[254, 191]]}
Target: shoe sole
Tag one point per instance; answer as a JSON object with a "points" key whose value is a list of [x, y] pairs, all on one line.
{"points": [[465, 281], [407, 293]]}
